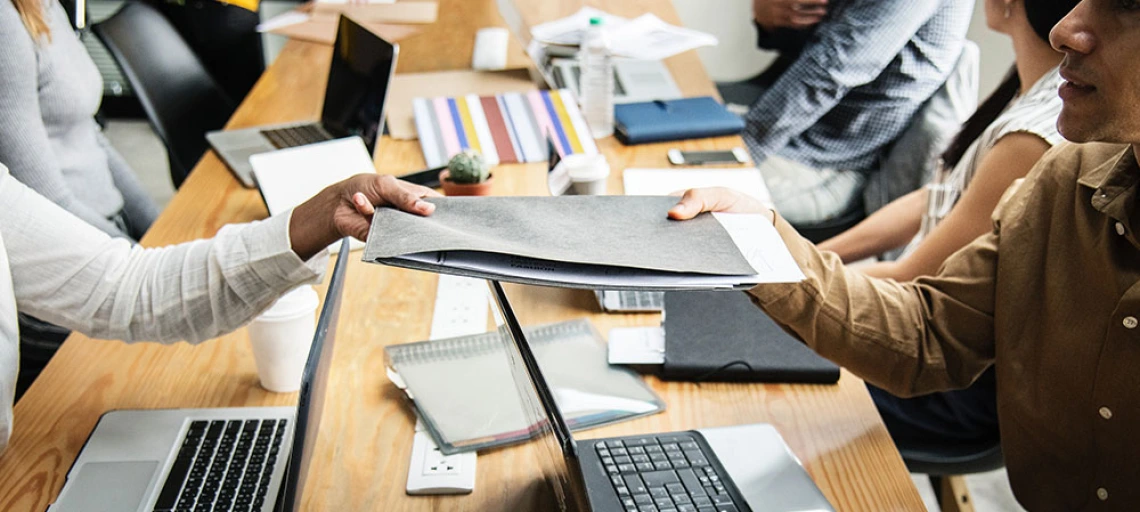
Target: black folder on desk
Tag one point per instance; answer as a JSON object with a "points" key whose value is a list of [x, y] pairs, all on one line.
{"points": [[722, 336]]}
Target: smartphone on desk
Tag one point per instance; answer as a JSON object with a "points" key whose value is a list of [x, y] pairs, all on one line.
{"points": [[728, 156]]}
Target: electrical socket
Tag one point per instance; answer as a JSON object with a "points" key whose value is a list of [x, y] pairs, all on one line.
{"points": [[432, 472]]}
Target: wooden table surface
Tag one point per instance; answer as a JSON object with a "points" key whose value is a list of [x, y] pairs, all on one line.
{"points": [[360, 460]]}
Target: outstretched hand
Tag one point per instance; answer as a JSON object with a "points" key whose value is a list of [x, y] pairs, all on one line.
{"points": [[346, 208], [716, 199]]}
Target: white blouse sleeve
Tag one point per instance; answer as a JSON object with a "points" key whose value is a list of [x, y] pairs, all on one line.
{"points": [[66, 272]]}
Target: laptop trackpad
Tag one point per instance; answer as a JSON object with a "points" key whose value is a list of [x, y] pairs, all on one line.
{"points": [[107, 486]]}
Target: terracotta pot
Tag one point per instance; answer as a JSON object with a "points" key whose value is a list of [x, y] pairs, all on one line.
{"points": [[452, 188]]}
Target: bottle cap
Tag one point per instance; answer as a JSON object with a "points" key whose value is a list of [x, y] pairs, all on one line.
{"points": [[596, 21]]}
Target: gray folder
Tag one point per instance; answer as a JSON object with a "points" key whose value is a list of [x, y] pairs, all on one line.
{"points": [[555, 240]]}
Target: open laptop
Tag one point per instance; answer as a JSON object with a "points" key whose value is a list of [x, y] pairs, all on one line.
{"points": [[362, 67], [725, 469], [245, 458]]}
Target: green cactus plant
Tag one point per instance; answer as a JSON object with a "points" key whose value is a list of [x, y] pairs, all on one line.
{"points": [[468, 167]]}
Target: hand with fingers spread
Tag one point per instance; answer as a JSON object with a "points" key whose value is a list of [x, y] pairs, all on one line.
{"points": [[346, 208], [793, 14], [716, 199]]}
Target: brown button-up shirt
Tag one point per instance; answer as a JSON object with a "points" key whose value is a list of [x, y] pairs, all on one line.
{"points": [[1050, 297]]}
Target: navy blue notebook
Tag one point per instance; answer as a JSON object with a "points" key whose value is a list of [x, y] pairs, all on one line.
{"points": [[688, 118]]}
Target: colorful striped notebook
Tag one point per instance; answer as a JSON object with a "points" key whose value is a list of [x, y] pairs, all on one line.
{"points": [[507, 128]]}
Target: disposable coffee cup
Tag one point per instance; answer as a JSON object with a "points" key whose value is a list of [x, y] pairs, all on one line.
{"points": [[281, 338], [588, 173]]}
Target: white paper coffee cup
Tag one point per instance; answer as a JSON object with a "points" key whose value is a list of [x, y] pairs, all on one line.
{"points": [[588, 173], [490, 52], [281, 338]]}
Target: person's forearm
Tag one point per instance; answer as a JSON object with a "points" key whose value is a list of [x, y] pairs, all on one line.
{"points": [[889, 228], [899, 336]]}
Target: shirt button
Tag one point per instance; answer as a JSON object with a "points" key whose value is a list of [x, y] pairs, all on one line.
{"points": [[1120, 229], [1106, 413], [1102, 493], [1130, 322]]}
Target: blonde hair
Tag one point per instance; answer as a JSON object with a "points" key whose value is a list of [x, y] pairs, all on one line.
{"points": [[34, 18]]}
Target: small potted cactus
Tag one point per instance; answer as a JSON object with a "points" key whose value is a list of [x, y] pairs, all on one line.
{"points": [[467, 174]]}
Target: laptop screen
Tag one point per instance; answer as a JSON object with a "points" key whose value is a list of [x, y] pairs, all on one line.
{"points": [[556, 450], [310, 402], [361, 69]]}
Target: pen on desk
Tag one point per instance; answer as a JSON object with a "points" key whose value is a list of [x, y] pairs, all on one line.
{"points": [[427, 177]]}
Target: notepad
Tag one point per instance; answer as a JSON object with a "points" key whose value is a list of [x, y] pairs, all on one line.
{"points": [[507, 128], [464, 391]]}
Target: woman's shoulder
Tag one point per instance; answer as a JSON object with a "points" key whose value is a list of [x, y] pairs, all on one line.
{"points": [[1035, 112]]}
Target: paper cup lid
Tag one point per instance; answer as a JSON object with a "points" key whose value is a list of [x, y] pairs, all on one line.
{"points": [[300, 300], [582, 167]]}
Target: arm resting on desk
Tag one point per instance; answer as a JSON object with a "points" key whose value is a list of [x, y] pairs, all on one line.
{"points": [[69, 273]]}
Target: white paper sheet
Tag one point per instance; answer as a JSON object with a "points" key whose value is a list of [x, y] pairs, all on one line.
{"points": [[649, 38], [636, 345]]}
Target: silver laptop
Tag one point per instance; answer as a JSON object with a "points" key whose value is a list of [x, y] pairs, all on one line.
{"points": [[726, 469], [361, 70], [634, 80], [247, 459]]}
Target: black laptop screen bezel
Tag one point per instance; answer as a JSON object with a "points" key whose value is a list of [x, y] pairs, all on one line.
{"points": [[576, 498], [314, 380], [363, 63]]}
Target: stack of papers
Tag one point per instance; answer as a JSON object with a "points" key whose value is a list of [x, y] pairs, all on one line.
{"points": [[592, 242], [645, 37]]}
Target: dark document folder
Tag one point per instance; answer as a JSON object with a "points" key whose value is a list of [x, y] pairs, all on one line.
{"points": [[688, 118], [722, 336]]}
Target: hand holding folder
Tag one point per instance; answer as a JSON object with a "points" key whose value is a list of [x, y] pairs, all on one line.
{"points": [[594, 242]]}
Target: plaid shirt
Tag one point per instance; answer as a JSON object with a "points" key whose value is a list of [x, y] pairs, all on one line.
{"points": [[867, 69]]}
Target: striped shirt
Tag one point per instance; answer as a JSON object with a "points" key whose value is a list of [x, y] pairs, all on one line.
{"points": [[1034, 113]]}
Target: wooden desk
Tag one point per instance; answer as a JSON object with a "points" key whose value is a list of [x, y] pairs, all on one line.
{"points": [[361, 457]]}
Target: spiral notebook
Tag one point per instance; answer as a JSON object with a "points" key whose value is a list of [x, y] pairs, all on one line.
{"points": [[464, 392]]}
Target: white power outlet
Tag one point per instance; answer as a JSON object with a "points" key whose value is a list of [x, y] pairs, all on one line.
{"points": [[432, 472], [460, 309]]}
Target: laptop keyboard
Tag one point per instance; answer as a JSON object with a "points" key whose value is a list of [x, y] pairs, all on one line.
{"points": [[294, 136], [643, 301], [665, 473], [223, 465]]}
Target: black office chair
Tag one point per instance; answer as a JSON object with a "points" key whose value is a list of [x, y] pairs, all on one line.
{"points": [[946, 464], [181, 100]]}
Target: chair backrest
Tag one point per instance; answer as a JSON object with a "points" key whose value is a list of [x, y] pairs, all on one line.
{"points": [[912, 158], [181, 100]]}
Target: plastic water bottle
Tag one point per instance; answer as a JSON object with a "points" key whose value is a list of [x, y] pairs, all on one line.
{"points": [[596, 88]]}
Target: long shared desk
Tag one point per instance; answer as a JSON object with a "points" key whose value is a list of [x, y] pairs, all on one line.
{"points": [[362, 454]]}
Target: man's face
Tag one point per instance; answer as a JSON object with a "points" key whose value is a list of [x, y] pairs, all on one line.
{"points": [[1101, 68]]}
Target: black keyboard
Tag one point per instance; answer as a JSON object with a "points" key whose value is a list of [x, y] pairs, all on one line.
{"points": [[665, 473], [223, 465], [293, 136]]}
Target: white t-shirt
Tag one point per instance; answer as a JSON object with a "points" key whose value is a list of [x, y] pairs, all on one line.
{"points": [[1035, 113]]}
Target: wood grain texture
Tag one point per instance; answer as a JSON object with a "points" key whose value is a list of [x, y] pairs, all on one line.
{"points": [[361, 456]]}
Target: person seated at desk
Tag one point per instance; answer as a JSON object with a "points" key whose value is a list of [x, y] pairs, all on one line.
{"points": [[1010, 131], [56, 267], [829, 118], [1049, 297], [50, 91], [999, 144]]}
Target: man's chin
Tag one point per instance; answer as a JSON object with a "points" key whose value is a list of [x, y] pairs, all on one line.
{"points": [[1075, 131]]}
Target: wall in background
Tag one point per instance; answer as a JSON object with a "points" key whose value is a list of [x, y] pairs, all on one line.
{"points": [[737, 58]]}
